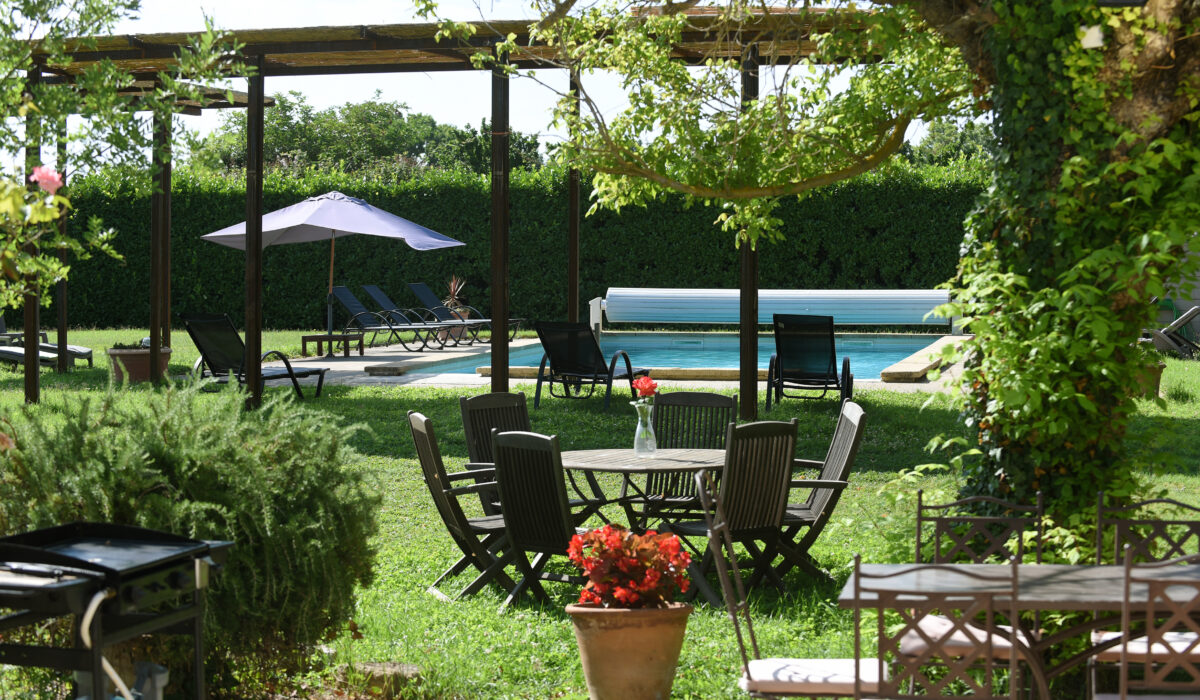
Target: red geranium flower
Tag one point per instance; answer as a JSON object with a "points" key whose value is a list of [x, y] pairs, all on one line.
{"points": [[625, 570]]}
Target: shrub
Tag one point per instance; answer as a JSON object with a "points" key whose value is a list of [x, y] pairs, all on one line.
{"points": [[280, 482], [899, 228]]}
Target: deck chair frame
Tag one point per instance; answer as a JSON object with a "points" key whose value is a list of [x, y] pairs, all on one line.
{"points": [[572, 359], [223, 353], [798, 339]]}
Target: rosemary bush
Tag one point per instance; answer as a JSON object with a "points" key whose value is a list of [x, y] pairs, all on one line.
{"points": [[280, 482]]}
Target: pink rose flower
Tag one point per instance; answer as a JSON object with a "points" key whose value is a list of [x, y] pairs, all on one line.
{"points": [[47, 178]]}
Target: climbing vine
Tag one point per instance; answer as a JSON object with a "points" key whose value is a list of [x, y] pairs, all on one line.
{"points": [[1094, 204]]}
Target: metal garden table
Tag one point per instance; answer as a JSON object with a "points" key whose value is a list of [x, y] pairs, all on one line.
{"points": [[1040, 587]]}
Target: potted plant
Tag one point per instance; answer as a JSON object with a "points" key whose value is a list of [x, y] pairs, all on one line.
{"points": [[455, 301], [1149, 374], [628, 631], [132, 361]]}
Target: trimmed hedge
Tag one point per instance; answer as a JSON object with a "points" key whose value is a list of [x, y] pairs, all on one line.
{"points": [[898, 228]]}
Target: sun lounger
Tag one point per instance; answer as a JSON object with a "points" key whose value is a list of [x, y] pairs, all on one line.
{"points": [[363, 320], [426, 296], [464, 331], [223, 354], [1170, 338]]}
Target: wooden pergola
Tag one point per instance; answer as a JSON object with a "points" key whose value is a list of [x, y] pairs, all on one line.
{"points": [[399, 48]]}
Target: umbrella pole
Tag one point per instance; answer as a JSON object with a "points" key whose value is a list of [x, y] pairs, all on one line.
{"points": [[329, 302]]}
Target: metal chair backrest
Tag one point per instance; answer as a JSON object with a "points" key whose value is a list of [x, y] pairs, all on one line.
{"points": [[1171, 662], [758, 469], [505, 412], [431, 302], [961, 536], [218, 342], [571, 347], [733, 590], [805, 346], [533, 495], [1151, 538], [436, 479], [688, 420], [847, 436], [956, 657]]}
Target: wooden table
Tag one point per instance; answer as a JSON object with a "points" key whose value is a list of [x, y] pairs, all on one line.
{"points": [[344, 338], [1040, 587], [627, 464]]}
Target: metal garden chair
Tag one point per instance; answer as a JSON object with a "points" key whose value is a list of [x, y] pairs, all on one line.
{"points": [[573, 359], [223, 354]]}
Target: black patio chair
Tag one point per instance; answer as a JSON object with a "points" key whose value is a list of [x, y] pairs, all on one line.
{"points": [[508, 412], [472, 315], [684, 420], [362, 320], [533, 498], [811, 515], [478, 539], [223, 354], [771, 677], [805, 359], [753, 494], [572, 358], [456, 328]]}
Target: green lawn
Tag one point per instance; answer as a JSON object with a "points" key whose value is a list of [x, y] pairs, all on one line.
{"points": [[468, 649]]}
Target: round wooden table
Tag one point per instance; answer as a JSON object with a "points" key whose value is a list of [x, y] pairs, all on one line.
{"points": [[623, 461]]}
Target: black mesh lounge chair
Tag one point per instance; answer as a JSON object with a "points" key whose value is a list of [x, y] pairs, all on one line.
{"points": [[688, 420], [75, 352], [223, 354], [452, 329], [363, 320], [573, 359], [533, 496], [805, 359], [478, 538], [452, 326], [753, 494], [430, 301]]}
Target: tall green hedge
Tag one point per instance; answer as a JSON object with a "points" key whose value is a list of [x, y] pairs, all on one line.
{"points": [[899, 228]]}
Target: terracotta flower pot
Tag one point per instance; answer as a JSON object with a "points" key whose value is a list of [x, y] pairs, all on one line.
{"points": [[629, 654], [1149, 380], [134, 363]]}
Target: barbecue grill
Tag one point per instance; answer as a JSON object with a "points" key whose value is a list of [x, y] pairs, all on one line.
{"points": [[118, 581]]}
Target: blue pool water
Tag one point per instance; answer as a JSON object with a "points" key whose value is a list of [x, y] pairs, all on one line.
{"points": [[869, 353]]}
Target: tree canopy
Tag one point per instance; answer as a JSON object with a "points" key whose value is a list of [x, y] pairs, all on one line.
{"points": [[1095, 188], [36, 98], [376, 135]]}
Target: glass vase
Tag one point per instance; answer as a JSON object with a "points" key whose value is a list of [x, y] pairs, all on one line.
{"points": [[644, 443]]}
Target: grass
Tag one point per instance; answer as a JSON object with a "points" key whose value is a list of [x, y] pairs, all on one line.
{"points": [[467, 649]]}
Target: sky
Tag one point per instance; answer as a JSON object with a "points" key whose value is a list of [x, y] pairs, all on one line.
{"points": [[462, 97]]}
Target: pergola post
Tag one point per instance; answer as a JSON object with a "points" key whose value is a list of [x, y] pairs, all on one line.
{"points": [[159, 232], [573, 215], [500, 169], [748, 306], [60, 297], [254, 169], [31, 302]]}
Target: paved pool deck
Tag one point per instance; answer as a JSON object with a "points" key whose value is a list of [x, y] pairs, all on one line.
{"points": [[393, 365]]}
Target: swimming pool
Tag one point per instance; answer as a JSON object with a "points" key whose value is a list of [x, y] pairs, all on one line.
{"points": [[869, 353]]}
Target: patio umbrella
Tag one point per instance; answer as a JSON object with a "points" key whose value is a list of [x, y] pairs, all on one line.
{"points": [[328, 217]]}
